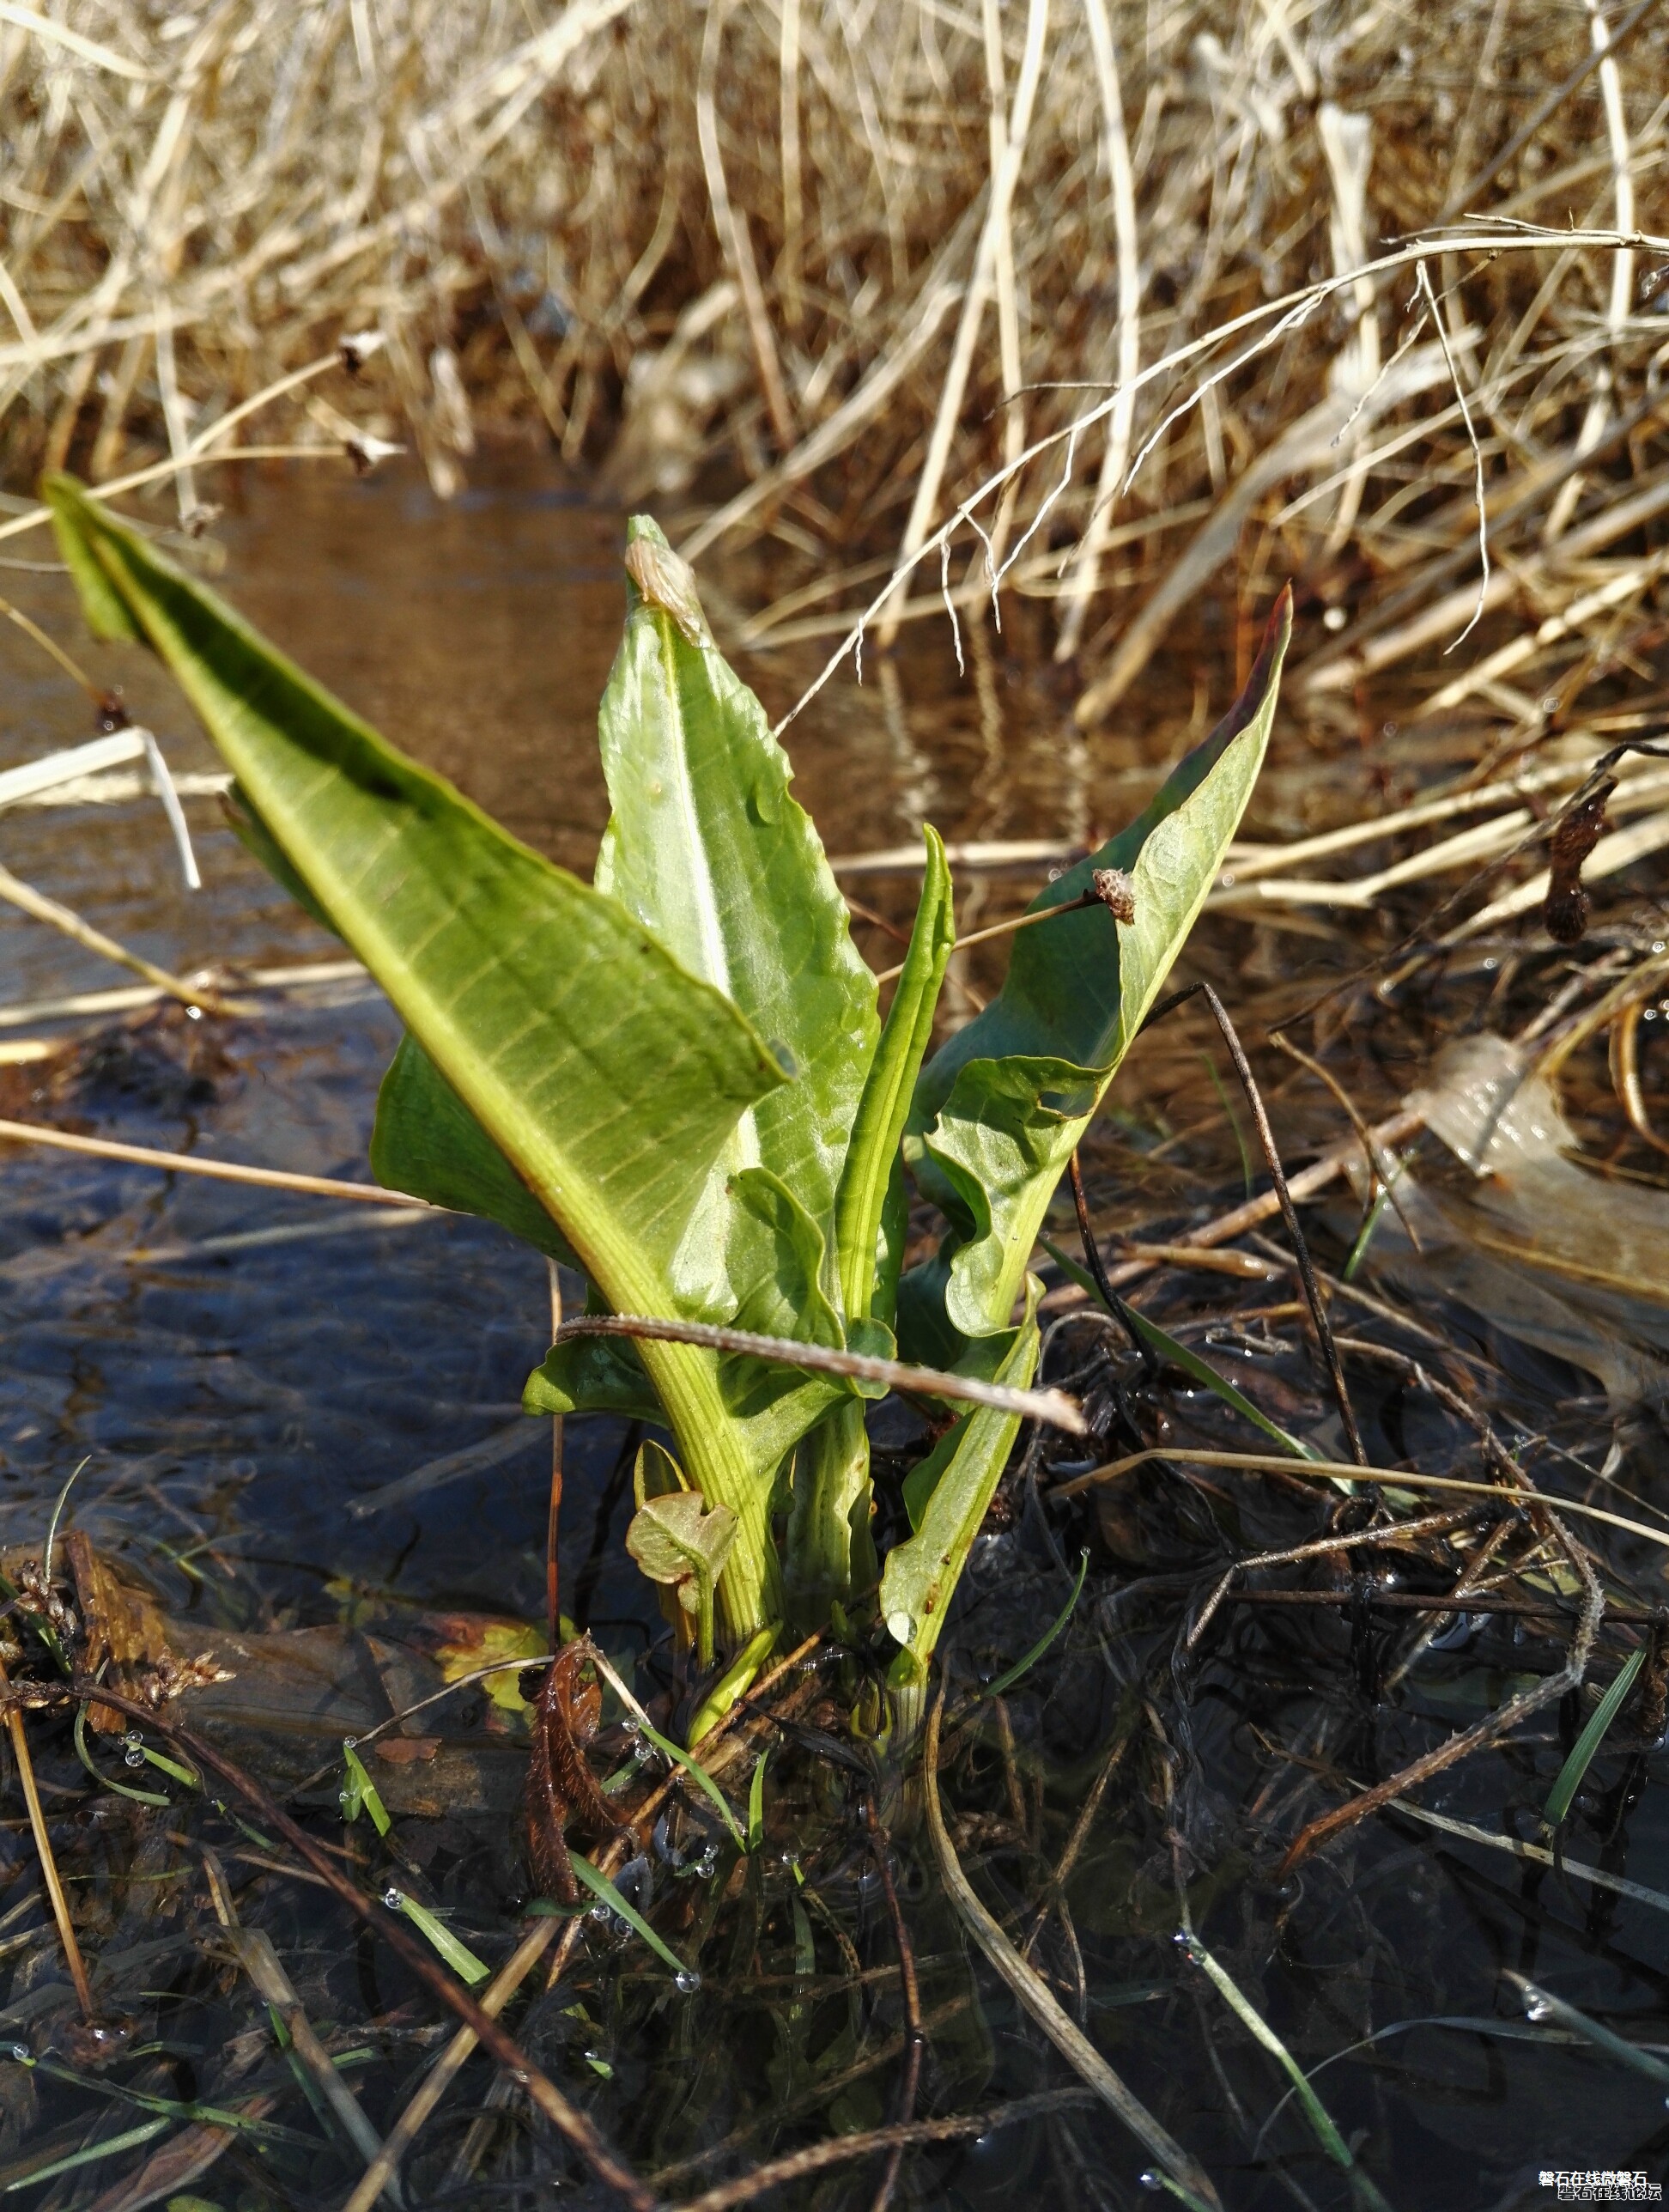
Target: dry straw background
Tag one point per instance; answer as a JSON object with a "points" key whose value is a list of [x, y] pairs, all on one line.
{"points": [[818, 271]]}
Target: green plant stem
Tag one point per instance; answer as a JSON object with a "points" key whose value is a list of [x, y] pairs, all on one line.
{"points": [[710, 1447], [831, 1551]]}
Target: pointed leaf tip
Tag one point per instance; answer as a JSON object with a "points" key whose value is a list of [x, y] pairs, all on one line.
{"points": [[1279, 624]]}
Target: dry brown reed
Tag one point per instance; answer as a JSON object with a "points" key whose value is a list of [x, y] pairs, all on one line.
{"points": [[813, 271]]}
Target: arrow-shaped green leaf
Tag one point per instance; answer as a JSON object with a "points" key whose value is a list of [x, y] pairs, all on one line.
{"points": [[998, 1111], [611, 1080]]}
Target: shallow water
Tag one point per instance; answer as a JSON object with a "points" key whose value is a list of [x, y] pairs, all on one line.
{"points": [[239, 1369]]}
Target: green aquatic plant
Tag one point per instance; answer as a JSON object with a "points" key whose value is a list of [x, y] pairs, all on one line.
{"points": [[676, 1079]]}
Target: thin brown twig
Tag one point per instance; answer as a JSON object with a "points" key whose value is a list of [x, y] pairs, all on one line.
{"points": [[43, 1844], [553, 1571], [1396, 1129], [1053, 1407], [1075, 1843], [915, 2038], [1328, 1825], [1283, 1201], [1461, 1601], [40, 907], [1357, 1539], [1008, 929], [839, 2150], [1340, 1470], [379, 2174], [1380, 1166], [143, 1156]]}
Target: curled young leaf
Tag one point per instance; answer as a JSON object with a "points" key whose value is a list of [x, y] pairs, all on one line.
{"points": [[679, 1541], [679, 1538]]}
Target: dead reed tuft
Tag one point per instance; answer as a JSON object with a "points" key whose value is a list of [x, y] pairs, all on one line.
{"points": [[815, 272]]}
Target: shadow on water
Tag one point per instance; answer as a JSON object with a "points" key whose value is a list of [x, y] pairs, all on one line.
{"points": [[244, 1372]]}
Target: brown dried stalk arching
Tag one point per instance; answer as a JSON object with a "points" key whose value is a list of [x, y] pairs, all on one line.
{"points": [[816, 245]]}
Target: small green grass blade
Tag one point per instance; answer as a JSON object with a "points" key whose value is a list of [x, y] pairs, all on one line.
{"points": [[1179, 1354], [1542, 2005], [105, 1781], [458, 1956], [93, 2152], [358, 1791], [174, 1766], [1586, 1748], [699, 1775], [756, 1802], [1320, 2120], [170, 2108], [600, 1886], [1365, 1235], [1007, 1681]]}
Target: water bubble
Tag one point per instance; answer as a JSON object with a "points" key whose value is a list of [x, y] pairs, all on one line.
{"points": [[133, 1756], [632, 1727], [20, 2051], [133, 1740], [643, 1752], [687, 1981], [600, 1913], [1150, 2179], [789, 1859], [623, 1926], [393, 1898], [1538, 2008], [350, 1742]]}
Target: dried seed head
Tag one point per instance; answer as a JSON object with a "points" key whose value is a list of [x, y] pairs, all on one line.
{"points": [[1116, 891], [667, 581]]}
